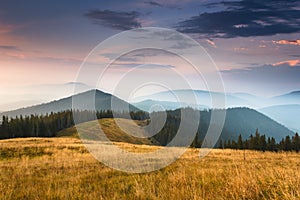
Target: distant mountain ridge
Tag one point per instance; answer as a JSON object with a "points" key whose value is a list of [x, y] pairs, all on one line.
{"points": [[238, 120], [232, 100], [289, 98], [102, 102], [192, 97], [153, 105], [284, 114], [295, 93]]}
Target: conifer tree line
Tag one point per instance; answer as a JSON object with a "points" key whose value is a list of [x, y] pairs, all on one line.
{"points": [[50, 124], [262, 143]]}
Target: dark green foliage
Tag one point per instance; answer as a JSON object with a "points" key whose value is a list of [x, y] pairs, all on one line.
{"points": [[296, 143], [48, 125], [260, 143], [240, 142], [35, 126], [287, 144]]}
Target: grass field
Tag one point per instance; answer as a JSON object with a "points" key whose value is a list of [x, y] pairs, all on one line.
{"points": [[61, 168], [112, 131]]}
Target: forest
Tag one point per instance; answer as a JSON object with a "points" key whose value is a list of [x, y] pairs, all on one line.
{"points": [[50, 124]]}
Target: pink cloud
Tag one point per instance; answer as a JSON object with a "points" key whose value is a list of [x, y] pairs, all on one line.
{"points": [[212, 43], [290, 42], [291, 63]]}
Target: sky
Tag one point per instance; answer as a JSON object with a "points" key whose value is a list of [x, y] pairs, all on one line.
{"points": [[254, 44]]}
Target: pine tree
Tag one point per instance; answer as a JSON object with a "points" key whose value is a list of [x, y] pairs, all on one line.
{"points": [[287, 143], [262, 143], [221, 144], [229, 144], [251, 142], [296, 143], [195, 142], [240, 142], [257, 140]]}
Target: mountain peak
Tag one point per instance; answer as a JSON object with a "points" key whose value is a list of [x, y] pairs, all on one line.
{"points": [[103, 101], [295, 92], [74, 83]]}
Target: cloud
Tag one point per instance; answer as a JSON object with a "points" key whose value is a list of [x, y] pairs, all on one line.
{"points": [[153, 3], [263, 79], [290, 42], [239, 49], [245, 18], [211, 43], [295, 55], [17, 54], [121, 65], [291, 63], [9, 47], [116, 20], [166, 4]]}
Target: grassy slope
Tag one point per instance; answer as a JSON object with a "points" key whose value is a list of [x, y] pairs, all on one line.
{"points": [[111, 129], [61, 168]]}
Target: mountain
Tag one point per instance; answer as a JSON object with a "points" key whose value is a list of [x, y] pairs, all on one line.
{"points": [[30, 95], [102, 102], [18, 104], [254, 101], [238, 121], [152, 105], [289, 98], [285, 114], [245, 121], [192, 97], [232, 99]]}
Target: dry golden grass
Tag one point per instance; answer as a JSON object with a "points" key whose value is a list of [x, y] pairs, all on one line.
{"points": [[112, 130], [61, 168]]}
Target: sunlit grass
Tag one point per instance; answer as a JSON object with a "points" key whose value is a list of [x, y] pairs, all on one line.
{"points": [[112, 131], [61, 168]]}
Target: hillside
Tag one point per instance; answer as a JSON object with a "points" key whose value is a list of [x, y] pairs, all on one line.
{"points": [[245, 121], [238, 121], [284, 114], [112, 131], [102, 102]]}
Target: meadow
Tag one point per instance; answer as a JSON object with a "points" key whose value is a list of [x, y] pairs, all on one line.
{"points": [[62, 168]]}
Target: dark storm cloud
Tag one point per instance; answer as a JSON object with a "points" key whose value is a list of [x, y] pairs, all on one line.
{"points": [[114, 19], [246, 18]]}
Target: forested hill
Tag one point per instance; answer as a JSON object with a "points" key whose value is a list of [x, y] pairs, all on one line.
{"points": [[239, 121], [102, 102], [245, 121]]}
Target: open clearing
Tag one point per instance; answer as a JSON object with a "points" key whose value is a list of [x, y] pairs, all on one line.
{"points": [[61, 168]]}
